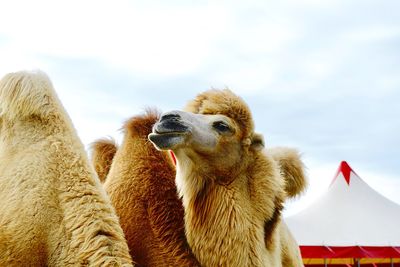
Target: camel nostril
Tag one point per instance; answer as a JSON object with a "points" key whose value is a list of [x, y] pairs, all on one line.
{"points": [[170, 116]]}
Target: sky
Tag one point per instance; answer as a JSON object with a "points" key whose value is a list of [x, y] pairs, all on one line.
{"points": [[320, 76]]}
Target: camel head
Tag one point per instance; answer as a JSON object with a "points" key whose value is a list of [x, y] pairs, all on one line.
{"points": [[215, 132]]}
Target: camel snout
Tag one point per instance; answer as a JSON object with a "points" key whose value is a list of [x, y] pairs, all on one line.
{"points": [[170, 122], [172, 115]]}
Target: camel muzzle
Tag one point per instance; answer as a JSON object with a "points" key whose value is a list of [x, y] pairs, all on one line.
{"points": [[170, 122], [169, 131]]}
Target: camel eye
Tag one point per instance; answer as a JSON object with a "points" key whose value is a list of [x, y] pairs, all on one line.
{"points": [[221, 127]]}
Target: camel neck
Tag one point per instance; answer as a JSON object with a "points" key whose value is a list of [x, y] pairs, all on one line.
{"points": [[219, 226], [225, 222]]}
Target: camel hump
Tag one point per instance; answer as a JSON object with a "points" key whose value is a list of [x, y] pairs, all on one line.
{"points": [[102, 155], [27, 93], [142, 125], [292, 169]]}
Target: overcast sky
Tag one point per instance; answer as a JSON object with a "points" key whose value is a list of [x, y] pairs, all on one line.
{"points": [[320, 76]]}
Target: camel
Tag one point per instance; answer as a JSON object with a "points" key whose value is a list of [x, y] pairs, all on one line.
{"points": [[141, 186], [54, 211], [232, 191]]}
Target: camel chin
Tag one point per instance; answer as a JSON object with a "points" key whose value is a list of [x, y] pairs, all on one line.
{"points": [[167, 141]]}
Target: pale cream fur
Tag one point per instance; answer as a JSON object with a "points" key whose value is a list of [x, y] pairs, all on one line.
{"points": [[292, 169], [233, 232], [233, 192], [54, 211]]}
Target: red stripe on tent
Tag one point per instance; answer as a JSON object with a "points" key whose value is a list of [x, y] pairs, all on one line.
{"points": [[346, 170], [349, 252]]}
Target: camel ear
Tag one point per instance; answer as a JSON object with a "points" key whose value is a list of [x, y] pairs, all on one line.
{"points": [[292, 169], [257, 142]]}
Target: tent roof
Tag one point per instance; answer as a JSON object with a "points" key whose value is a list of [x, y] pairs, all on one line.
{"points": [[351, 213]]}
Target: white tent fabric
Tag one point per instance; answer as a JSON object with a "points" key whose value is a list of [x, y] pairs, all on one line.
{"points": [[351, 213]]}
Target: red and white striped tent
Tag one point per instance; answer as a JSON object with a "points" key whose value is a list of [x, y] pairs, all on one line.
{"points": [[350, 225]]}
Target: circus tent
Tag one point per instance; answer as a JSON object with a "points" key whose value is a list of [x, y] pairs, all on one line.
{"points": [[350, 224]]}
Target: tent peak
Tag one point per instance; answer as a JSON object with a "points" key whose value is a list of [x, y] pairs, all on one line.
{"points": [[346, 170]]}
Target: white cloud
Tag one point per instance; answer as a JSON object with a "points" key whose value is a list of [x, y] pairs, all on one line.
{"points": [[14, 58], [372, 33], [245, 80], [143, 39]]}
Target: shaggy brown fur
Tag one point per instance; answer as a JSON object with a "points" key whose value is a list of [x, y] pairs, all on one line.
{"points": [[232, 192], [142, 188], [53, 210], [103, 152]]}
